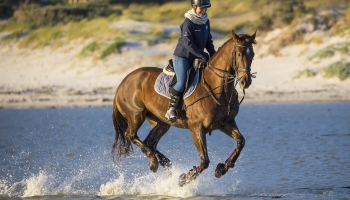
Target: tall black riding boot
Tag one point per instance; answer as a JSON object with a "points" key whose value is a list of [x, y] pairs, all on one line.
{"points": [[175, 97]]}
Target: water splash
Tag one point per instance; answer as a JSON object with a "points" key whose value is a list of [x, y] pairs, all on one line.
{"points": [[35, 185], [146, 184], [113, 187], [149, 184]]}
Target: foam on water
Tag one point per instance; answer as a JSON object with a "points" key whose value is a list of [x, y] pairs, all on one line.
{"points": [[35, 185], [149, 184]]}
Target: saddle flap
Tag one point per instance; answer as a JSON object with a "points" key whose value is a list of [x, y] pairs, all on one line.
{"points": [[169, 69]]}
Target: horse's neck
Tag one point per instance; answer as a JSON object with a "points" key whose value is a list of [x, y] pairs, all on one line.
{"points": [[222, 61]]}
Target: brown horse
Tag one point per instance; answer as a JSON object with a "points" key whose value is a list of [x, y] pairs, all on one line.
{"points": [[213, 106]]}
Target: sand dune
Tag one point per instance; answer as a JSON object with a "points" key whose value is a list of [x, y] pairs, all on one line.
{"points": [[55, 77]]}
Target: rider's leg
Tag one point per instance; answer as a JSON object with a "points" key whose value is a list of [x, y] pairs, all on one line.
{"points": [[181, 65], [175, 97]]}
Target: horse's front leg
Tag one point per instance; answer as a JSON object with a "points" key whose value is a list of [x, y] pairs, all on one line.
{"points": [[200, 141], [231, 130]]}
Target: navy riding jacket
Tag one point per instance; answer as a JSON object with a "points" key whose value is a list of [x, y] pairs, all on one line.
{"points": [[194, 38]]}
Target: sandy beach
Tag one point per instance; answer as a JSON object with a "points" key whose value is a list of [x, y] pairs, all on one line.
{"points": [[58, 77]]}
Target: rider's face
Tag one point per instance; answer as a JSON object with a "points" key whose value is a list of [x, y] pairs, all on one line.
{"points": [[200, 11]]}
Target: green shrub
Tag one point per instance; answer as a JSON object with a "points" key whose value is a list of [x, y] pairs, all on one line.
{"points": [[339, 69], [112, 48], [29, 13], [305, 73], [288, 10], [265, 23]]}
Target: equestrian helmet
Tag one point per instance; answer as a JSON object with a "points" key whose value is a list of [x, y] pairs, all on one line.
{"points": [[201, 3]]}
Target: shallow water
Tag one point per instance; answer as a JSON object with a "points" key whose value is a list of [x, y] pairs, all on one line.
{"points": [[293, 151]]}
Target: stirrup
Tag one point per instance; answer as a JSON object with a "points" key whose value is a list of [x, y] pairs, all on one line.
{"points": [[171, 114]]}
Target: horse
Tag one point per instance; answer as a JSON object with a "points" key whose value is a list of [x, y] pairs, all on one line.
{"points": [[213, 106]]}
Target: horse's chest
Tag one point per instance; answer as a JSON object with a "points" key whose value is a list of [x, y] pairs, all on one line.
{"points": [[219, 116]]}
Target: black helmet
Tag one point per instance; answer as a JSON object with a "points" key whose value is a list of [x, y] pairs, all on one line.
{"points": [[201, 3]]}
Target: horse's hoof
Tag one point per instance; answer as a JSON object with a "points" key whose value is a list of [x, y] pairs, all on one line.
{"points": [[153, 165], [168, 174], [168, 171], [220, 170], [182, 180]]}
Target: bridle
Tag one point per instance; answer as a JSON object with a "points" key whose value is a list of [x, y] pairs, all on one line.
{"points": [[235, 67], [227, 77], [246, 70]]}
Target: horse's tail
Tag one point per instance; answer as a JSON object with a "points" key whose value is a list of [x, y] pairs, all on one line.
{"points": [[121, 146]]}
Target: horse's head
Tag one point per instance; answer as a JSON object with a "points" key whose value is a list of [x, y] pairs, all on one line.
{"points": [[242, 57]]}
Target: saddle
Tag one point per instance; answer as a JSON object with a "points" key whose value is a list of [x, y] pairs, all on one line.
{"points": [[167, 79], [169, 70]]}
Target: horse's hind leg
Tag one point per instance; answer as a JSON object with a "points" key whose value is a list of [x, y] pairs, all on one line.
{"points": [[158, 129], [231, 130], [135, 123]]}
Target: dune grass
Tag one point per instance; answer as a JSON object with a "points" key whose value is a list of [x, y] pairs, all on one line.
{"points": [[14, 26], [114, 47], [225, 15], [13, 36], [103, 49], [339, 70], [305, 73], [169, 12], [42, 37], [324, 53], [97, 29], [329, 51], [90, 49]]}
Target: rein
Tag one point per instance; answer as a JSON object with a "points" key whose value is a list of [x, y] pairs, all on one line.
{"points": [[229, 78]]}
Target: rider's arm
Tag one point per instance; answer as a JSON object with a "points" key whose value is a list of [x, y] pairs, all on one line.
{"points": [[187, 39]]}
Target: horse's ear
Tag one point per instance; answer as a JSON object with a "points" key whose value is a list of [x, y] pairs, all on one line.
{"points": [[254, 35], [234, 36]]}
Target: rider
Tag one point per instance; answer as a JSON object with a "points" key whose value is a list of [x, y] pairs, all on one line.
{"points": [[195, 36]]}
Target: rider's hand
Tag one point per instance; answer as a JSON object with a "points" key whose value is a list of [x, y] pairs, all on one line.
{"points": [[202, 63], [206, 57]]}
